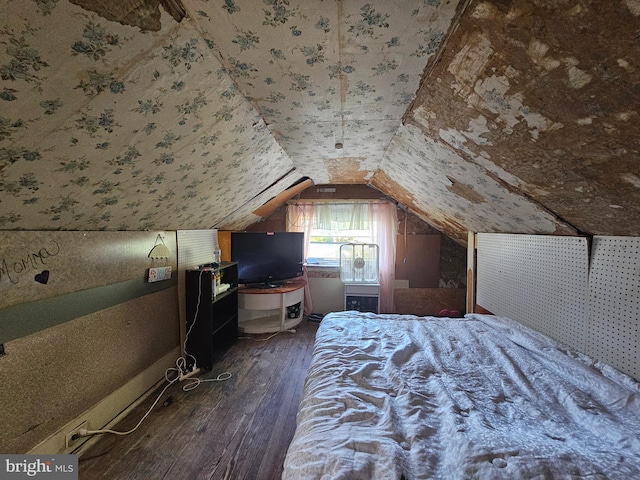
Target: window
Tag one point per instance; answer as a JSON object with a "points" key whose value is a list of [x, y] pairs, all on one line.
{"points": [[329, 225], [334, 225]]}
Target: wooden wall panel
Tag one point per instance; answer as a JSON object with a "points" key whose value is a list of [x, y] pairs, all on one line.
{"points": [[429, 301], [418, 260]]}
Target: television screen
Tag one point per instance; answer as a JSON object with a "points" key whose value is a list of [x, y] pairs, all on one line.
{"points": [[267, 258]]}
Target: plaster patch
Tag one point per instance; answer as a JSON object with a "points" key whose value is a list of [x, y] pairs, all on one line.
{"points": [[513, 13], [624, 64], [492, 94], [468, 64], [347, 170], [537, 51], [422, 116], [626, 116], [578, 78], [632, 179], [477, 128], [457, 139], [577, 10], [633, 6], [542, 192], [484, 10]]}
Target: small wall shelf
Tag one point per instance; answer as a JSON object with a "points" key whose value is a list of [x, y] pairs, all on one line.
{"points": [[270, 310]]}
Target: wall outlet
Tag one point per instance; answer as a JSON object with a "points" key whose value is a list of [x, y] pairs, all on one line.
{"points": [[157, 274], [68, 439]]}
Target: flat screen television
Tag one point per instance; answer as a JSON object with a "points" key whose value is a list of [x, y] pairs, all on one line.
{"points": [[267, 259]]}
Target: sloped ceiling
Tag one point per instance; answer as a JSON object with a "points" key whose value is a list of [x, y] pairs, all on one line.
{"points": [[517, 116]]}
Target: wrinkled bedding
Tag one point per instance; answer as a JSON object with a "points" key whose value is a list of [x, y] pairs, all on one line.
{"points": [[390, 397]]}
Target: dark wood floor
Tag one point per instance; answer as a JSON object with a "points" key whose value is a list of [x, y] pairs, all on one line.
{"points": [[236, 429]]}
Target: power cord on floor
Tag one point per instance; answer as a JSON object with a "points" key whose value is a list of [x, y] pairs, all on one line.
{"points": [[181, 374], [193, 382], [291, 330]]}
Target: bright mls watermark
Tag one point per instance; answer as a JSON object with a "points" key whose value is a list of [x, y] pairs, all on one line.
{"points": [[52, 467]]}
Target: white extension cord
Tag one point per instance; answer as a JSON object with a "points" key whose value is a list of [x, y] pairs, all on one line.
{"points": [[182, 374]]}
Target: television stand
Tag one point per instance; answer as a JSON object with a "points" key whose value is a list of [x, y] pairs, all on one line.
{"points": [[273, 309], [264, 285]]}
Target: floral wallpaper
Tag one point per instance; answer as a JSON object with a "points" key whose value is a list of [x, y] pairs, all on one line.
{"points": [[109, 126], [323, 73], [104, 127], [436, 174]]}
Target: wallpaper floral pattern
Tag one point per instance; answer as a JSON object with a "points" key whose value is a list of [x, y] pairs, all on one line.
{"points": [[328, 72], [106, 127], [429, 167], [103, 127]]}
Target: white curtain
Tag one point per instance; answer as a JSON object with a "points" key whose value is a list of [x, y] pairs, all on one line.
{"points": [[341, 216], [379, 217], [300, 219], [385, 232]]}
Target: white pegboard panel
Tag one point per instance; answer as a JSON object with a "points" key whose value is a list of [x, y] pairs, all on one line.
{"points": [[614, 303], [196, 247], [538, 280]]}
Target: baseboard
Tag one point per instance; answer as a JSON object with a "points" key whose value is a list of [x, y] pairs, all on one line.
{"points": [[111, 409]]}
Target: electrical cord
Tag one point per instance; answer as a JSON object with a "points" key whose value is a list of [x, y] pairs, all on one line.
{"points": [[193, 382], [291, 330], [172, 375], [195, 317], [83, 432], [180, 371]]}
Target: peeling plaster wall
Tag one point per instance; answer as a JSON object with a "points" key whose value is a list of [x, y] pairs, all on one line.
{"points": [[544, 96], [168, 114], [455, 195]]}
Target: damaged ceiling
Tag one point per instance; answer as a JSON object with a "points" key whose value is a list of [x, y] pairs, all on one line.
{"points": [[518, 116]]}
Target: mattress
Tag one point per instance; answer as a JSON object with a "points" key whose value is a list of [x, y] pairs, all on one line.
{"points": [[399, 396]]}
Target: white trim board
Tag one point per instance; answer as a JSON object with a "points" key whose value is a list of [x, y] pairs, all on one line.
{"points": [[111, 409]]}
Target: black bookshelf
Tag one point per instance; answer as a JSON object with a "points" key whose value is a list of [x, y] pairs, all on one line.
{"points": [[212, 314]]}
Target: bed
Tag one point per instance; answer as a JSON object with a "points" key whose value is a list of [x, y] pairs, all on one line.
{"points": [[406, 397]]}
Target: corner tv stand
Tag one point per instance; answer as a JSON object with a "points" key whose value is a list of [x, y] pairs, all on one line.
{"points": [[272, 309]]}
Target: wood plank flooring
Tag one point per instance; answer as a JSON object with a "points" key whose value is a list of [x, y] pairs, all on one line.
{"points": [[235, 429]]}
